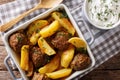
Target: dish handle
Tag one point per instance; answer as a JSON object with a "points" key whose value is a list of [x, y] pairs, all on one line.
{"points": [[89, 30], [6, 60]]}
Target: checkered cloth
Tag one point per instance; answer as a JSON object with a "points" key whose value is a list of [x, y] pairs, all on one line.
{"points": [[106, 44]]}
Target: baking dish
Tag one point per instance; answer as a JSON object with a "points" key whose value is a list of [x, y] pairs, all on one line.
{"points": [[16, 58]]}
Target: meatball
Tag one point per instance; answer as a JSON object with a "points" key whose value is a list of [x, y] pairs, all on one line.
{"points": [[17, 40], [39, 59], [38, 76], [60, 41], [80, 61]]}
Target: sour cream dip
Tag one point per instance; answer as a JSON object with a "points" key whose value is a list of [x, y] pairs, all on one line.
{"points": [[104, 13]]}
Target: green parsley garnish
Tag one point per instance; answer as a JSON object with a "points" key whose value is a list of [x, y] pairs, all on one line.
{"points": [[89, 0], [19, 39]]}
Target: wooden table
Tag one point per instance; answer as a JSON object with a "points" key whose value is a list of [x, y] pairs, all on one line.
{"points": [[110, 70]]}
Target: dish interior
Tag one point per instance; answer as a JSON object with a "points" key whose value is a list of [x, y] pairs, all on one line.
{"points": [[16, 57]]}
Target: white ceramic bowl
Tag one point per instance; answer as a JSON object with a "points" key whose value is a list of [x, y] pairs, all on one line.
{"points": [[86, 16], [16, 58]]}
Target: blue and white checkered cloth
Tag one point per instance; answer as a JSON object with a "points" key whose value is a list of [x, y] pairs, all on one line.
{"points": [[105, 46]]}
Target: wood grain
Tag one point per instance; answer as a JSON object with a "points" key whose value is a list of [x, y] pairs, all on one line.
{"points": [[3, 54], [110, 70], [5, 1], [102, 75], [5, 75], [1, 42]]}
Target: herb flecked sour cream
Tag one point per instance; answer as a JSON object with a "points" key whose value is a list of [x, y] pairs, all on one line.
{"points": [[104, 13]]}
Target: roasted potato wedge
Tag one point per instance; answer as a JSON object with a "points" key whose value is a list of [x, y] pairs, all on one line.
{"points": [[34, 38], [64, 22], [24, 64], [35, 26], [50, 30], [30, 70], [59, 74], [78, 42], [51, 66], [45, 47], [67, 56]]}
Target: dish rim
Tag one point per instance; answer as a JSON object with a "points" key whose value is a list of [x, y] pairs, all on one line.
{"points": [[40, 16]]}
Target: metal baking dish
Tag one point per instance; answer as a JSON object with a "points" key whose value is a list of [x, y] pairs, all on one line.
{"points": [[16, 58]]}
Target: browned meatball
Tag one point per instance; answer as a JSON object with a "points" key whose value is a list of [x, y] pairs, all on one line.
{"points": [[38, 76], [60, 41], [80, 61], [17, 40], [39, 59]]}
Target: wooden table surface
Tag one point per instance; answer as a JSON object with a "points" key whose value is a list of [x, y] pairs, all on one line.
{"points": [[110, 70]]}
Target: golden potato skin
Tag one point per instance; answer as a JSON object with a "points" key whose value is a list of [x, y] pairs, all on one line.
{"points": [[78, 42], [59, 73], [34, 38], [64, 22], [35, 26], [30, 70], [51, 66], [24, 64], [67, 56], [50, 29], [45, 47]]}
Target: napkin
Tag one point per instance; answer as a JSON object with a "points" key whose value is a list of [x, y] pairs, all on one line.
{"points": [[105, 46]]}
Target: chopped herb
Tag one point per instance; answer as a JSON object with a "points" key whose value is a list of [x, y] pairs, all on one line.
{"points": [[64, 14], [89, 0], [43, 47], [98, 14], [61, 34], [74, 42], [119, 15], [42, 40], [106, 6], [106, 12], [109, 25], [82, 50], [19, 39], [36, 51], [69, 35], [95, 7], [105, 19], [115, 1], [38, 30], [104, 1], [110, 11]]}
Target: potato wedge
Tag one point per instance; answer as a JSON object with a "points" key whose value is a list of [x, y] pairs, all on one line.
{"points": [[36, 25], [59, 74], [64, 22], [34, 38], [24, 64], [67, 56], [51, 66], [78, 42], [45, 47], [30, 70], [50, 30]]}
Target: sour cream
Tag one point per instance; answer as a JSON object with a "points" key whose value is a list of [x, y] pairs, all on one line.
{"points": [[104, 13]]}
